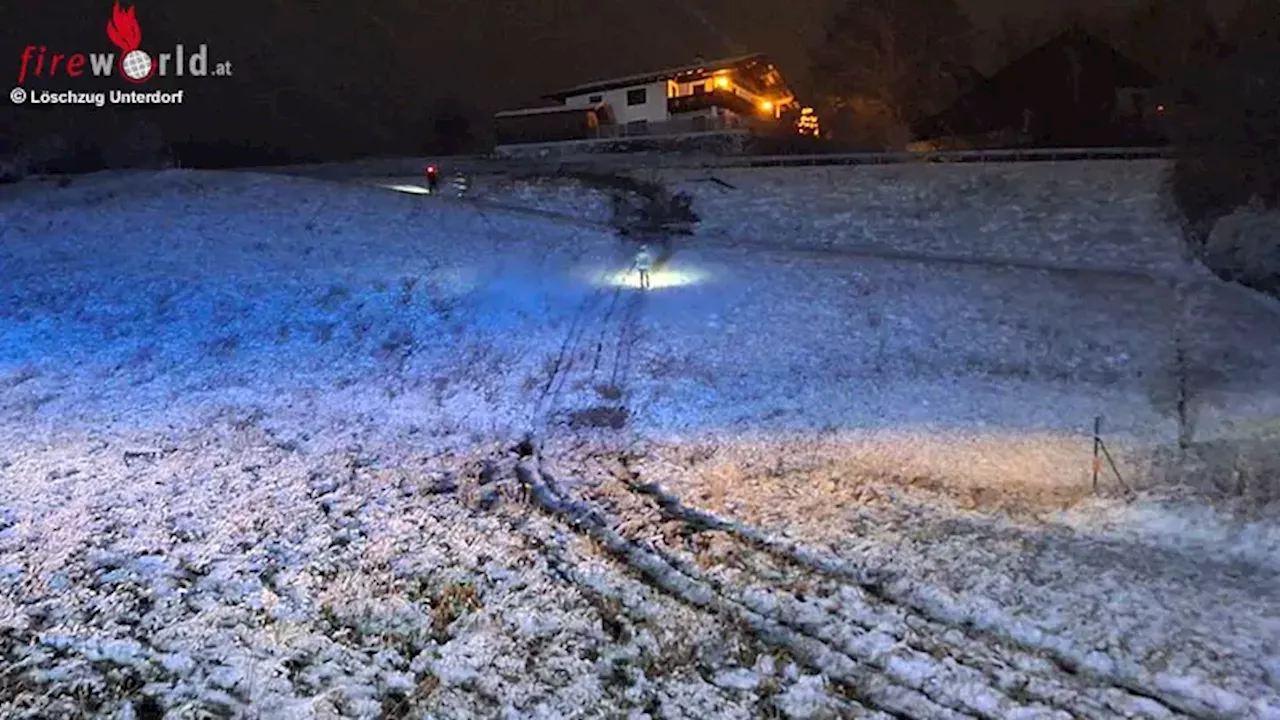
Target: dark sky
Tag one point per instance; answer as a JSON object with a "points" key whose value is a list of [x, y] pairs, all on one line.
{"points": [[663, 32], [313, 71]]}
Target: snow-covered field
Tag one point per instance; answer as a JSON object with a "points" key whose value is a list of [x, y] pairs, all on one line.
{"points": [[256, 453]]}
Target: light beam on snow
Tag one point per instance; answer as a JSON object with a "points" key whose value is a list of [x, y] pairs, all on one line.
{"points": [[414, 189], [658, 279]]}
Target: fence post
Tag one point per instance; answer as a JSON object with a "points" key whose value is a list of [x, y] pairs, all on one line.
{"points": [[1097, 447]]}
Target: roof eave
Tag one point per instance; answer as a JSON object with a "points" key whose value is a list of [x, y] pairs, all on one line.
{"points": [[647, 78]]}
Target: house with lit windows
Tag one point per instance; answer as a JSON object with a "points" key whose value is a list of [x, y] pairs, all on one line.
{"points": [[741, 93]]}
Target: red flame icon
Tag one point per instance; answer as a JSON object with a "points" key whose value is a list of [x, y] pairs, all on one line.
{"points": [[135, 65], [123, 29]]}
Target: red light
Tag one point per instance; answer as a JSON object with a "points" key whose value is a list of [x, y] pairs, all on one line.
{"points": [[431, 169]]}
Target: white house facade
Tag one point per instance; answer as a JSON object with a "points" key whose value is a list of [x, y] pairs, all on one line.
{"points": [[734, 93], [639, 103]]}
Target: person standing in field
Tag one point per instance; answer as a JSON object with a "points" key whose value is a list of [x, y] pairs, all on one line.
{"points": [[643, 264]]}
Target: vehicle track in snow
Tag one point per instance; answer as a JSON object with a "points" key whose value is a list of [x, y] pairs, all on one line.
{"points": [[596, 353], [875, 638]]}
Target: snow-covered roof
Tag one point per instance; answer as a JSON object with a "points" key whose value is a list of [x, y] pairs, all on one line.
{"points": [[700, 68]]}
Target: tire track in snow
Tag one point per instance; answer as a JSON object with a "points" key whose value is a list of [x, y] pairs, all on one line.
{"points": [[626, 342], [579, 325], [1143, 693], [982, 683], [861, 683], [600, 592], [889, 678], [949, 661], [598, 353]]}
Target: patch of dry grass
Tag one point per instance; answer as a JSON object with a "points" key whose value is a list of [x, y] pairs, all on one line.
{"points": [[454, 601]]}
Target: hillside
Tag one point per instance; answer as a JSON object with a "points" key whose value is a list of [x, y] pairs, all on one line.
{"points": [[261, 449]]}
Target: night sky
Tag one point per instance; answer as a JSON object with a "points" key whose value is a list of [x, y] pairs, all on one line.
{"points": [[310, 73]]}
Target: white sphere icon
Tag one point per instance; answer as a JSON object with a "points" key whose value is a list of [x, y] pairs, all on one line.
{"points": [[137, 65]]}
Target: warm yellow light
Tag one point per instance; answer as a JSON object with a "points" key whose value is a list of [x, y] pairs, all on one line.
{"points": [[722, 81], [659, 278], [766, 106]]}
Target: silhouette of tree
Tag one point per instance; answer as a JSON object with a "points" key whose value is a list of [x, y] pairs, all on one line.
{"points": [[451, 128], [1227, 129], [1172, 37], [883, 62]]}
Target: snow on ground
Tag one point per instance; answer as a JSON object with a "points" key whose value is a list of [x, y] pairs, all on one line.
{"points": [[1193, 610], [254, 432], [1094, 337], [1106, 214], [1092, 214]]}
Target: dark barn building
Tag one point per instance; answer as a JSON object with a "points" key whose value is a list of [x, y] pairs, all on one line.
{"points": [[1074, 90], [558, 123]]}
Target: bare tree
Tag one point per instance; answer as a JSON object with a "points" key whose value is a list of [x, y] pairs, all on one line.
{"points": [[450, 126], [885, 62], [1172, 36], [1015, 36], [1227, 129]]}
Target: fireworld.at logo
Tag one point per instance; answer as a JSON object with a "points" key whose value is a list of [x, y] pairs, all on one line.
{"points": [[133, 63]]}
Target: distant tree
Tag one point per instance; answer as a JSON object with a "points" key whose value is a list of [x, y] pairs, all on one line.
{"points": [[884, 62], [1172, 36], [1106, 23], [1227, 130], [450, 128], [1016, 35]]}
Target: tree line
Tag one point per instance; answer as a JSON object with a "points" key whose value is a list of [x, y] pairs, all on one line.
{"points": [[884, 63]]}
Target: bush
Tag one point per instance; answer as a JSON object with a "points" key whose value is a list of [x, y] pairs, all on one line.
{"points": [[1226, 132], [42, 154], [12, 169], [653, 213], [1244, 247]]}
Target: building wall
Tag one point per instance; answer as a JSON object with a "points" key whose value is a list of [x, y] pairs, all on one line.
{"points": [[654, 108]]}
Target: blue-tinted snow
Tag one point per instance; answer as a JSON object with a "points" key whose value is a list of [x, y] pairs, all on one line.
{"points": [[222, 397]]}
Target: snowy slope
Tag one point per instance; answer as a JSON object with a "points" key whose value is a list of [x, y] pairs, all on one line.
{"points": [[149, 295], [244, 423], [1044, 290], [1107, 214]]}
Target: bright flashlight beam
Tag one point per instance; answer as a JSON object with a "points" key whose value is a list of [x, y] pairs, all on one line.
{"points": [[414, 189], [658, 279]]}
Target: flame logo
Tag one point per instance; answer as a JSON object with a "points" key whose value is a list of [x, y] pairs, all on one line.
{"points": [[135, 65], [123, 29]]}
